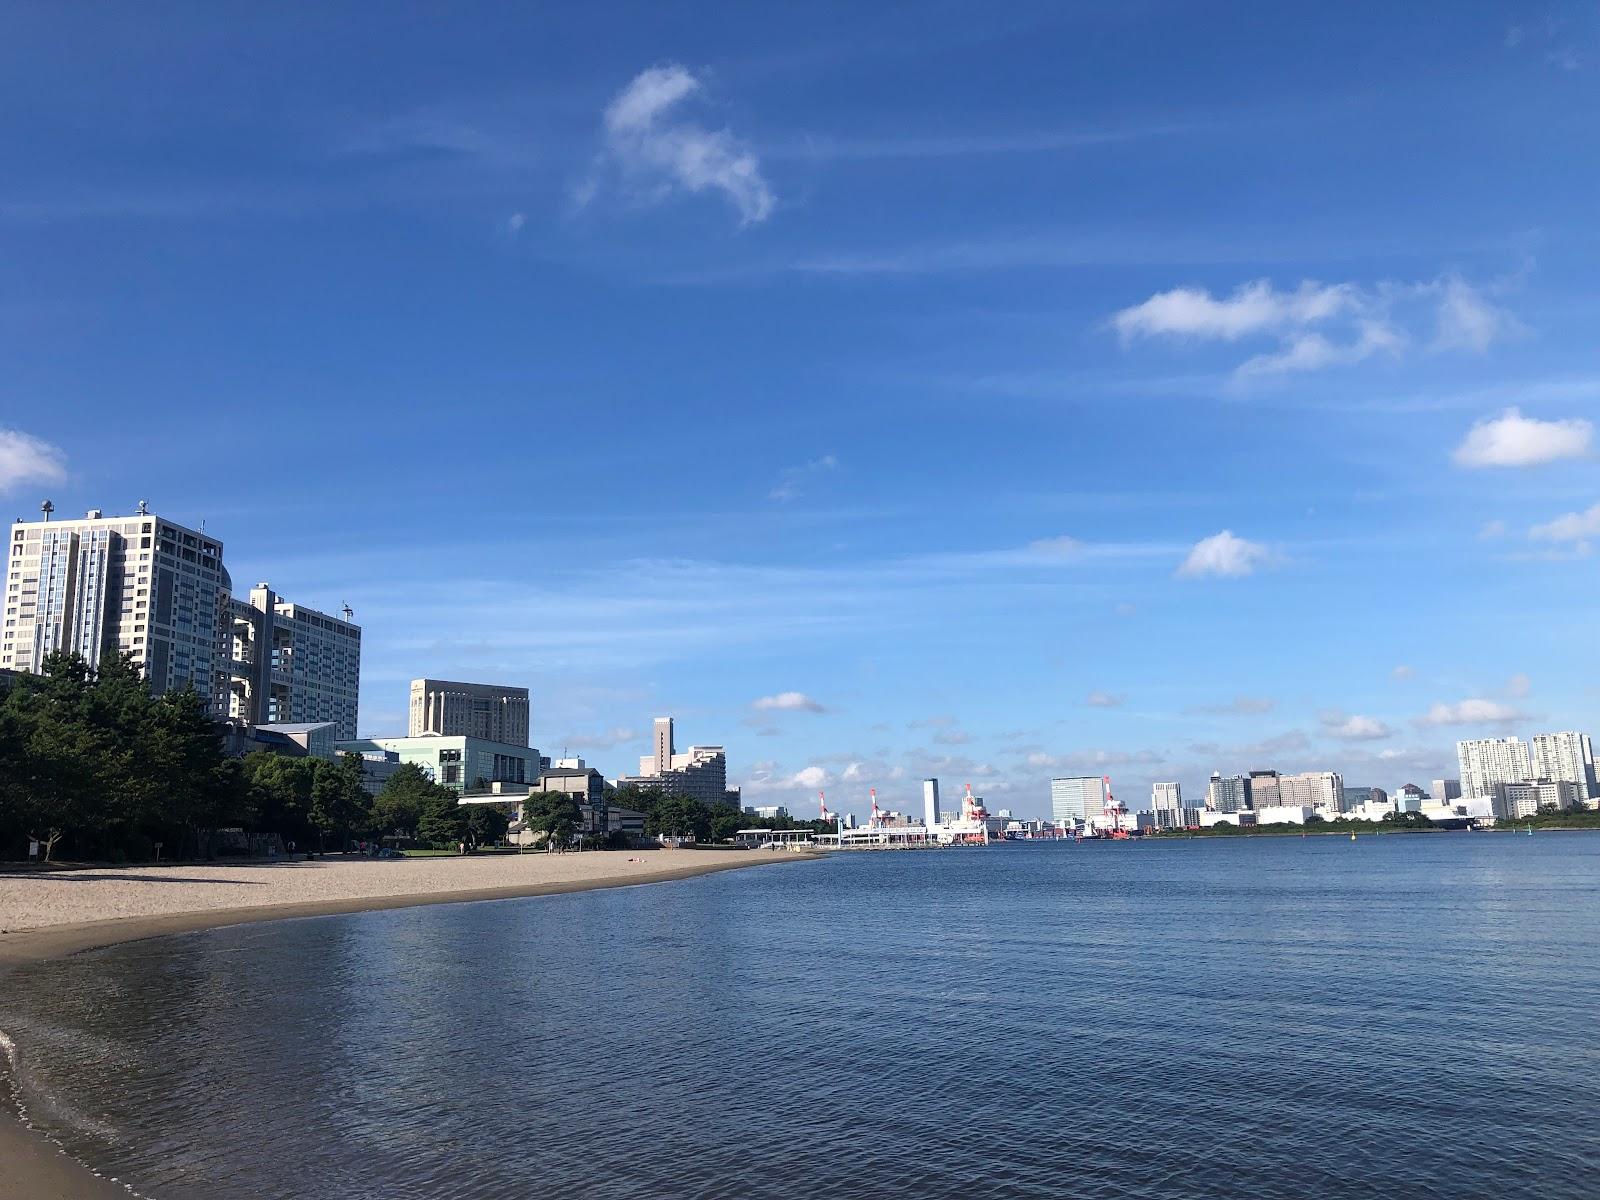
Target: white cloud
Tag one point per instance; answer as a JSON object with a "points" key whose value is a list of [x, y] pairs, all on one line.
{"points": [[1321, 325], [1476, 711], [810, 777], [787, 702], [667, 154], [1223, 554], [791, 484], [1253, 308], [1104, 700], [1403, 672], [515, 222], [1513, 440], [1095, 760], [1569, 527], [952, 737], [26, 459], [1355, 728]]}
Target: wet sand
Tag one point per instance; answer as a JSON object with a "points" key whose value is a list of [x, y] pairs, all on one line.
{"points": [[55, 914]]}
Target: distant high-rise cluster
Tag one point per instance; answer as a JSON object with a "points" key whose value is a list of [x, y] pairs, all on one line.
{"points": [[700, 773]]}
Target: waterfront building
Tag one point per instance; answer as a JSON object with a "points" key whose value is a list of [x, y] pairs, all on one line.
{"points": [[768, 812], [1410, 798], [1527, 799], [1312, 789], [140, 585], [289, 664], [478, 710], [1445, 790], [1079, 797], [1264, 789], [1240, 817], [1166, 796], [1227, 794], [464, 764], [700, 773], [1357, 797], [1566, 757], [930, 803], [1285, 814], [1485, 762]]}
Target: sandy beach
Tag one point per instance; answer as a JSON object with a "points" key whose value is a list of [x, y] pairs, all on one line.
{"points": [[54, 914]]}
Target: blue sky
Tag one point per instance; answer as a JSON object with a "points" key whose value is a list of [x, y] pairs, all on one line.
{"points": [[984, 391]]}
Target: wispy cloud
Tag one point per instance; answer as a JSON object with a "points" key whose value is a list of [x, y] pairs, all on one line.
{"points": [[793, 481], [1513, 440], [827, 148], [608, 739], [1223, 555], [1104, 700], [25, 459], [1239, 706], [659, 153], [1570, 527], [787, 702], [1319, 325]]}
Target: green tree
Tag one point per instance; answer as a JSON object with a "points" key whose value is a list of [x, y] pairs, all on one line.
{"points": [[678, 816], [486, 824], [398, 805], [554, 814], [339, 800], [442, 820]]}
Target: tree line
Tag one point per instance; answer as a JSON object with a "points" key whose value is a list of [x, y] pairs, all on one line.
{"points": [[95, 767], [667, 814]]}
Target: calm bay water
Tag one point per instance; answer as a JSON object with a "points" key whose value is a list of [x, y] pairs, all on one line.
{"points": [[1394, 1017]]}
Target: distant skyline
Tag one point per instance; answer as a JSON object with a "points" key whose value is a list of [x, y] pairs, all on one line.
{"points": [[1134, 389]]}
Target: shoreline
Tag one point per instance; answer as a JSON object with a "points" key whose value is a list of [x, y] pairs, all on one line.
{"points": [[38, 1169]]}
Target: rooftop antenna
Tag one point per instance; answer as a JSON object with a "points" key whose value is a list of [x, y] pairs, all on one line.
{"points": [[144, 508], [47, 508], [349, 613]]}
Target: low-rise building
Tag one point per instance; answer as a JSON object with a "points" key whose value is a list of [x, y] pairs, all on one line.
{"points": [[1210, 818], [464, 764], [1285, 814], [1513, 800]]}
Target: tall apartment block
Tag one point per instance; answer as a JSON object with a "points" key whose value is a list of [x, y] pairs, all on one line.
{"points": [[1228, 793], [1485, 762], [139, 584], [290, 664], [1566, 758], [479, 710], [701, 773]]}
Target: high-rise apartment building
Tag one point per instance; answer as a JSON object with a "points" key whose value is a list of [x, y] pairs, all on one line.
{"points": [[1228, 793], [139, 584], [701, 772], [290, 664], [1164, 797], [930, 803], [1078, 797], [1313, 789], [480, 710], [1485, 762], [1566, 758]]}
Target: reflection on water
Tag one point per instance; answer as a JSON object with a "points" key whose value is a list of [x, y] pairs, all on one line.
{"points": [[1402, 1016]]}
